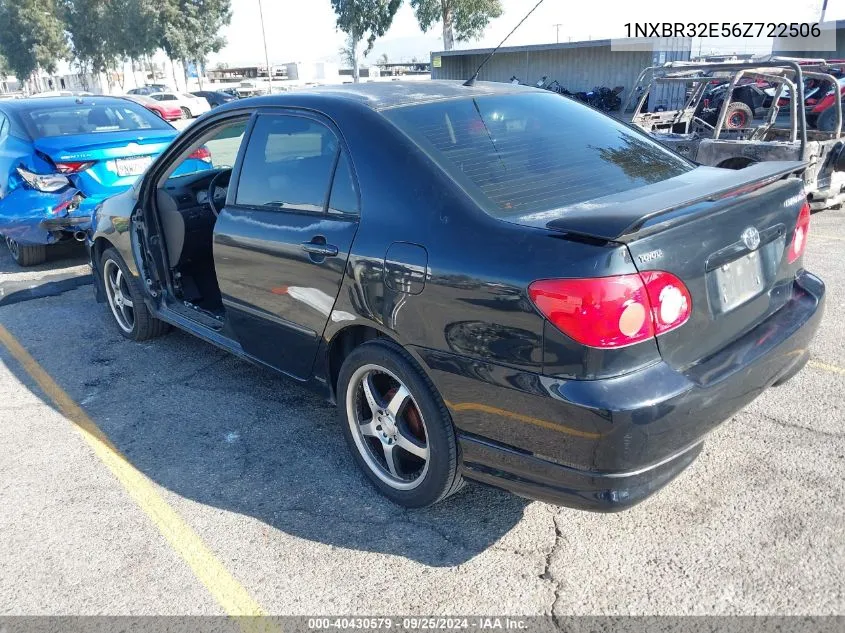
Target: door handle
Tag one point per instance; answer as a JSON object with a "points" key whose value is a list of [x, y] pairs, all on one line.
{"points": [[321, 249]]}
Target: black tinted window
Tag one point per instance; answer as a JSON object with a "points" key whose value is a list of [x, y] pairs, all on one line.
{"points": [[527, 153], [344, 199], [288, 164]]}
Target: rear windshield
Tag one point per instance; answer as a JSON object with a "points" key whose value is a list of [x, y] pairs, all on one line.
{"points": [[527, 153], [66, 120]]}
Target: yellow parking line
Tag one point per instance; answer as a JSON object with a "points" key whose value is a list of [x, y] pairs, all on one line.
{"points": [[208, 569], [826, 367]]}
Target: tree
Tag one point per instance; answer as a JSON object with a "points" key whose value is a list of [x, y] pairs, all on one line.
{"points": [[349, 53], [384, 60], [32, 36], [137, 30], [462, 19], [191, 29], [361, 19], [93, 42]]}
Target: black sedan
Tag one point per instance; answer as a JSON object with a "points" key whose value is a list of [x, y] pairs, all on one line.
{"points": [[214, 98], [492, 282]]}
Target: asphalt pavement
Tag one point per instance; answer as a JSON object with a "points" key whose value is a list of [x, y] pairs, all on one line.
{"points": [[168, 477]]}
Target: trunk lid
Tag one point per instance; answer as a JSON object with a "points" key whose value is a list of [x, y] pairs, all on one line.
{"points": [[724, 233], [118, 157]]}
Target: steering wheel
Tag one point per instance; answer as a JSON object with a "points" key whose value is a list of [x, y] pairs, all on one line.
{"points": [[220, 179]]}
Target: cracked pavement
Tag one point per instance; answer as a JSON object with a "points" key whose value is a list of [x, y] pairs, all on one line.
{"points": [[257, 466]]}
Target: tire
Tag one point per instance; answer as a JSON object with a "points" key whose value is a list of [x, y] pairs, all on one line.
{"points": [[27, 254], [142, 325], [827, 120], [186, 112], [738, 116], [416, 482]]}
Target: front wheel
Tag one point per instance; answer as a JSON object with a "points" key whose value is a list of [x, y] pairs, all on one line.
{"points": [[26, 254], [123, 294], [186, 113], [397, 426]]}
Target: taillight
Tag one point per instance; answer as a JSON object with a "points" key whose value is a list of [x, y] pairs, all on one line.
{"points": [[73, 167], [671, 304], [610, 312], [201, 153], [799, 237]]}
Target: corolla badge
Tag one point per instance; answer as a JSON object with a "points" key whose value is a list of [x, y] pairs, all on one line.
{"points": [[751, 238]]}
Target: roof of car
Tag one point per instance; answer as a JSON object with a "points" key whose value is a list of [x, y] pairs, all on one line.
{"points": [[22, 105], [381, 95]]}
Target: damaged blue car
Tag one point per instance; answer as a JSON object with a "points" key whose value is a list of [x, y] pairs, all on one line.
{"points": [[62, 156]]}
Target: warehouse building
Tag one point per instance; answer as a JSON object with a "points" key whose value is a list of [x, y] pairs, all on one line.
{"points": [[577, 66], [785, 47]]}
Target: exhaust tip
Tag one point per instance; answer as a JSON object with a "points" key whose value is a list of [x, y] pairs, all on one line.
{"points": [[79, 236]]}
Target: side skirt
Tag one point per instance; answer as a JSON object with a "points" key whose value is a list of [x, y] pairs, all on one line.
{"points": [[209, 335]]}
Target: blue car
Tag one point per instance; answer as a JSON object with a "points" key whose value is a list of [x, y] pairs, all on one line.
{"points": [[62, 156]]}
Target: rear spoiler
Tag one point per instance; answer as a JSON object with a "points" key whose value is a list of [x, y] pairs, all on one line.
{"points": [[624, 214]]}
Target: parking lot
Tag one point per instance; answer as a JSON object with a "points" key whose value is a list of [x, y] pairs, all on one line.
{"points": [[171, 478]]}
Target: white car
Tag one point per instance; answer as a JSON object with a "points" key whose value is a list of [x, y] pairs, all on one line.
{"points": [[191, 106]]}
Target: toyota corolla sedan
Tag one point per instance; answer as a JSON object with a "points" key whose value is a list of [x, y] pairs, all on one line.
{"points": [[493, 283], [61, 156]]}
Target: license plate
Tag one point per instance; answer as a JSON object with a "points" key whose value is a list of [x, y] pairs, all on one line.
{"points": [[739, 280], [132, 166]]}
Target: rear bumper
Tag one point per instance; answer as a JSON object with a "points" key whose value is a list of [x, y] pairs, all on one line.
{"points": [[607, 444], [543, 480]]}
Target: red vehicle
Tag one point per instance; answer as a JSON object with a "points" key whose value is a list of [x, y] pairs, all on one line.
{"points": [[819, 113], [162, 109]]}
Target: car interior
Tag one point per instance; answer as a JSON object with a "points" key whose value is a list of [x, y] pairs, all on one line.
{"points": [[188, 205], [289, 164]]}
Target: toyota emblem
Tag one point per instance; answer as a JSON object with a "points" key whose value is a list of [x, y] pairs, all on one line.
{"points": [[751, 238]]}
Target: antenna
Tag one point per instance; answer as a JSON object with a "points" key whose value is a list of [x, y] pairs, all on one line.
{"points": [[471, 80]]}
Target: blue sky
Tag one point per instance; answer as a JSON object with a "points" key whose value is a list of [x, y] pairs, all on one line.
{"points": [[303, 30]]}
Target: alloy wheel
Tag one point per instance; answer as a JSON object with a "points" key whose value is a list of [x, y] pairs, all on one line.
{"points": [[117, 293], [388, 427], [14, 249]]}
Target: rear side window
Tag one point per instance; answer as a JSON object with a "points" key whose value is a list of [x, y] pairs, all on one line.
{"points": [[528, 153], [288, 164], [90, 119], [344, 198]]}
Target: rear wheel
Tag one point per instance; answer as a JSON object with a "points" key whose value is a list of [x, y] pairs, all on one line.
{"points": [[397, 426], [26, 254], [123, 294], [186, 113], [738, 116]]}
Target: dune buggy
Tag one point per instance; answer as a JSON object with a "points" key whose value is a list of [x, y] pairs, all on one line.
{"points": [[728, 115]]}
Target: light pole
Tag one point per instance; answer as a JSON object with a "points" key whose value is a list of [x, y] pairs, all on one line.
{"points": [[557, 30], [266, 56]]}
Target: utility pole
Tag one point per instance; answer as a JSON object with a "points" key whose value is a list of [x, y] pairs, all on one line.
{"points": [[266, 56], [557, 29]]}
